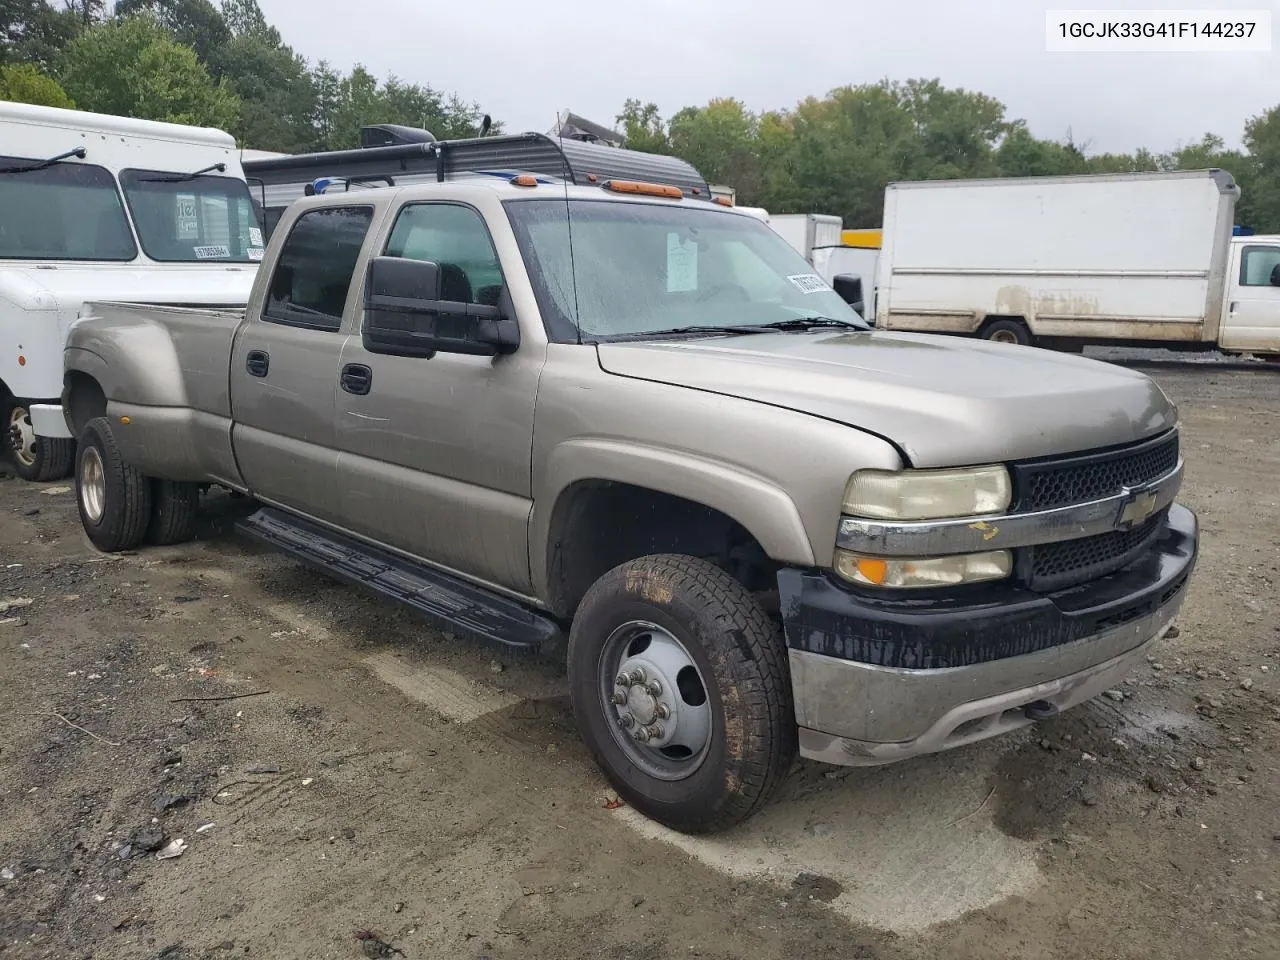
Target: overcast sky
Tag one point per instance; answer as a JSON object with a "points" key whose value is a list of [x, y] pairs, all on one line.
{"points": [[531, 60]]}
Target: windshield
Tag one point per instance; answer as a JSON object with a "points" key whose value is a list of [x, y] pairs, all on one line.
{"points": [[190, 219], [630, 269], [65, 211]]}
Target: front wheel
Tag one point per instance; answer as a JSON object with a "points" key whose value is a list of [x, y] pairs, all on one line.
{"points": [[35, 458], [681, 691]]}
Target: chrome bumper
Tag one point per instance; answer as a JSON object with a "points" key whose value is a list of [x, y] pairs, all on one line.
{"points": [[878, 680], [943, 709]]}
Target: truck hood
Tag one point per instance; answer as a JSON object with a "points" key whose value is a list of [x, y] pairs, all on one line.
{"points": [[944, 401], [66, 287]]}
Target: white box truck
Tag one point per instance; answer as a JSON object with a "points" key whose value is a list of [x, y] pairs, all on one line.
{"points": [[96, 207], [1145, 259], [807, 231]]}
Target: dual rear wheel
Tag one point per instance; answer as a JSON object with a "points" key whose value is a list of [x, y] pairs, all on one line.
{"points": [[119, 507]]}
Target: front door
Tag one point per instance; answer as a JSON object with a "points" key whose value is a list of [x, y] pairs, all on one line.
{"points": [[435, 453], [1253, 300], [284, 366]]}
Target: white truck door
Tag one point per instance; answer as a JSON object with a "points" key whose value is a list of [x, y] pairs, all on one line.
{"points": [[1253, 299]]}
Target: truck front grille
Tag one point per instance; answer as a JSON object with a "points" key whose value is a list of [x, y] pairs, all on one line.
{"points": [[1056, 566], [1047, 484]]}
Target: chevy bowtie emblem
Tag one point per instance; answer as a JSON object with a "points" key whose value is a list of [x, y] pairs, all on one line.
{"points": [[1136, 509]]}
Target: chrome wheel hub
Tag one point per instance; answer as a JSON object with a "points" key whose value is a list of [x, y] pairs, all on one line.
{"points": [[658, 699], [22, 437], [93, 485]]}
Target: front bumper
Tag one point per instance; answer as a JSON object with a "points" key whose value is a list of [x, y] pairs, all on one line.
{"points": [[47, 420], [877, 680]]}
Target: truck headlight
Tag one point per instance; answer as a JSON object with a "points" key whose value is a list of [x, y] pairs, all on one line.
{"points": [[927, 494], [924, 572]]}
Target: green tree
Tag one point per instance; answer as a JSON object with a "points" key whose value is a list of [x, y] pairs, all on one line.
{"points": [[133, 67], [643, 127], [721, 140], [24, 83], [197, 24], [1262, 139], [31, 31]]}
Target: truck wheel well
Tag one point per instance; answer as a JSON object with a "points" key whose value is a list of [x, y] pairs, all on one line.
{"points": [[84, 400], [599, 524]]}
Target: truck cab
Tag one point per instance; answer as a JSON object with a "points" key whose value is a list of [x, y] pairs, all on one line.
{"points": [[96, 207], [1251, 307]]}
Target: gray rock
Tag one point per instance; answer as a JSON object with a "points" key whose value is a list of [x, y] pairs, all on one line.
{"points": [[495, 666], [1116, 695], [1246, 684], [1197, 763], [1202, 674], [148, 839], [6, 874], [1173, 633]]}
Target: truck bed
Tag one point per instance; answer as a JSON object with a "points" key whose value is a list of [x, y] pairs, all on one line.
{"points": [[167, 370]]}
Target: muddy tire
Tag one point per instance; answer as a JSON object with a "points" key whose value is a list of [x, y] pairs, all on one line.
{"points": [[173, 512], [1007, 331], [681, 692], [38, 459], [113, 498]]}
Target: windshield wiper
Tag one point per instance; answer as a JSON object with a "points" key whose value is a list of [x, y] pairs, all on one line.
{"points": [[677, 331], [808, 323], [78, 153], [183, 177]]}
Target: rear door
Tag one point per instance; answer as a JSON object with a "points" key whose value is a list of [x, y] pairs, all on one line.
{"points": [[284, 367], [1253, 301]]}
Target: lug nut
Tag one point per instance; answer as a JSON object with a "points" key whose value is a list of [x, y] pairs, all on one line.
{"points": [[641, 734], [619, 697], [622, 680], [662, 711], [655, 731], [626, 720], [654, 688]]}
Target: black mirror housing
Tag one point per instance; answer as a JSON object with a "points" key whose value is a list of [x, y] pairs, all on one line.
{"points": [[1275, 275], [849, 287], [405, 315]]}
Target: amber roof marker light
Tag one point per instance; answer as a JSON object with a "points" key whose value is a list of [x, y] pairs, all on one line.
{"points": [[644, 189]]}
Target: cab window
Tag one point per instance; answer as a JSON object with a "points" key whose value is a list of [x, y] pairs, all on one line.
{"points": [[313, 275], [1257, 265], [455, 238]]}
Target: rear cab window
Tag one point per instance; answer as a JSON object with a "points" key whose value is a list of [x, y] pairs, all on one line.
{"points": [[317, 262]]}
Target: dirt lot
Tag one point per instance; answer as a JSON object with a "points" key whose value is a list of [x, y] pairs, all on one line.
{"points": [[374, 775]]}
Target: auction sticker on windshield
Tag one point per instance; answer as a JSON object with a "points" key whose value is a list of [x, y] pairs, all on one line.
{"points": [[809, 283], [187, 217], [682, 264], [255, 237], [212, 252]]}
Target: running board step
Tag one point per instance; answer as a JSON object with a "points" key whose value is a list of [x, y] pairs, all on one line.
{"points": [[448, 602]]}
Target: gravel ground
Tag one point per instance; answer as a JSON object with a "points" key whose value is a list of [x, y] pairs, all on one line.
{"points": [[375, 778]]}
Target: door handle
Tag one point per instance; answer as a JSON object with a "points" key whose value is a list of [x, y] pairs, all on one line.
{"points": [[1232, 308], [356, 378], [257, 362]]}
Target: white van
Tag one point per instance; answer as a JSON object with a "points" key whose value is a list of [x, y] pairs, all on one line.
{"points": [[96, 207]]}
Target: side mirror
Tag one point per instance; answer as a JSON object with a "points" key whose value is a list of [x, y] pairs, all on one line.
{"points": [[406, 315], [849, 287], [1275, 275]]}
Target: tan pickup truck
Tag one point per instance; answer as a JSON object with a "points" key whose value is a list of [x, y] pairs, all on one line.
{"points": [[617, 413]]}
